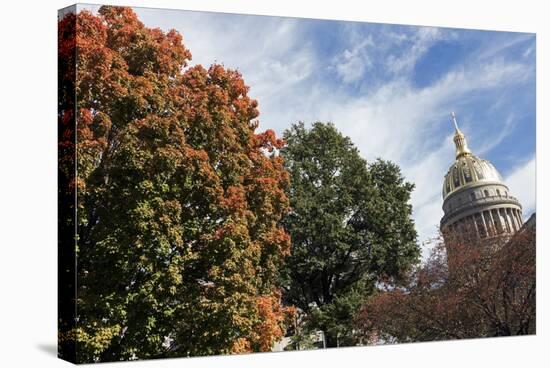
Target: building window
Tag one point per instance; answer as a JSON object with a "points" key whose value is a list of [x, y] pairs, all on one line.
{"points": [[498, 192], [473, 196], [486, 193]]}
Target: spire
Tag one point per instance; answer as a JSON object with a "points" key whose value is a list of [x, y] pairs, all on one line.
{"points": [[460, 140], [454, 121]]}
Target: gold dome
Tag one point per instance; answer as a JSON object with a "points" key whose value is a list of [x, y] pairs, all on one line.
{"points": [[467, 170]]}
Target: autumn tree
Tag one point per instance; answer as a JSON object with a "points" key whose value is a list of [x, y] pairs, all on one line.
{"points": [[66, 180], [350, 225], [179, 199], [469, 288]]}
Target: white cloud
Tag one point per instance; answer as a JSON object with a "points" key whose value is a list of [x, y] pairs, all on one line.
{"points": [[392, 120], [397, 122], [423, 39], [522, 185], [528, 51], [494, 140], [353, 62], [490, 49]]}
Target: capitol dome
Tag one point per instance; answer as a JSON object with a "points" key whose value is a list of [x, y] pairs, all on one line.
{"points": [[474, 195], [469, 171]]}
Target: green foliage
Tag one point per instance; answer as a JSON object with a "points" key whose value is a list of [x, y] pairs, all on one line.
{"points": [[336, 319], [179, 201], [350, 226]]}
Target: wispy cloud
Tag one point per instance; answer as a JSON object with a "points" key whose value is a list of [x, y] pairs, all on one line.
{"points": [[521, 183], [364, 85], [352, 63], [421, 41], [490, 49]]}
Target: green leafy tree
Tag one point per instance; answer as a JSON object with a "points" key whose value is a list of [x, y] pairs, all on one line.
{"points": [[179, 199], [350, 226]]}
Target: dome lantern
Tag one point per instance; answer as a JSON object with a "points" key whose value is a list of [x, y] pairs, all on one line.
{"points": [[460, 140]]}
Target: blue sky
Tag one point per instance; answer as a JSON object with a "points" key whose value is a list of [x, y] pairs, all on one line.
{"points": [[390, 88]]}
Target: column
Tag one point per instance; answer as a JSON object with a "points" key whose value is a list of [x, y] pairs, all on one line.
{"points": [[504, 216], [493, 222], [473, 220], [513, 217], [520, 220], [501, 224], [484, 223], [511, 220], [487, 223]]}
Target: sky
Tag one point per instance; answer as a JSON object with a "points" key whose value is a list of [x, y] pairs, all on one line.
{"points": [[390, 88]]}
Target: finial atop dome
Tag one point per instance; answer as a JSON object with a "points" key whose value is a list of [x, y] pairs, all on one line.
{"points": [[454, 121], [460, 140]]}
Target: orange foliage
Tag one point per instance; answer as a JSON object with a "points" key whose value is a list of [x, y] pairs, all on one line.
{"points": [[170, 164], [271, 325]]}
